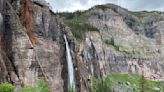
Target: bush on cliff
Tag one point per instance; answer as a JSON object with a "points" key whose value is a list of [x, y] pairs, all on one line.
{"points": [[6, 87], [40, 87], [79, 28], [27, 89]]}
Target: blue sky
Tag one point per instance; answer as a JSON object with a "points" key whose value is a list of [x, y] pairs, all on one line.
{"points": [[134, 5]]}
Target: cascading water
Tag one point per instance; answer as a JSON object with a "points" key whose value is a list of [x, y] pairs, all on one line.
{"points": [[71, 80]]}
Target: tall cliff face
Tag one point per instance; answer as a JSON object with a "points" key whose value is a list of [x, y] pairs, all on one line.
{"points": [[32, 45], [127, 42]]}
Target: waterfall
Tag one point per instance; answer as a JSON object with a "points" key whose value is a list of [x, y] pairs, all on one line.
{"points": [[71, 81]]}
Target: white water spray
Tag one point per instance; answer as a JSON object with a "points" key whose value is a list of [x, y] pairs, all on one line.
{"points": [[71, 81]]}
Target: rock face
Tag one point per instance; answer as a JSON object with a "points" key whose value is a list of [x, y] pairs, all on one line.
{"points": [[126, 43], [23, 62]]}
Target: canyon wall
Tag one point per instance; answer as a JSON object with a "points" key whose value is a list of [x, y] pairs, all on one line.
{"points": [[32, 45]]}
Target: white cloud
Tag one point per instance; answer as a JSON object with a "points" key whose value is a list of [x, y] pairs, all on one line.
{"points": [[135, 5], [74, 7]]}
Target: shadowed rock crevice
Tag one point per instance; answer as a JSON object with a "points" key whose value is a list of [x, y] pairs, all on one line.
{"points": [[10, 24]]}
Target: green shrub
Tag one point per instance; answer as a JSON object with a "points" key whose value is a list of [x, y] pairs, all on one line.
{"points": [[6, 87], [79, 28], [103, 7], [100, 85], [42, 86], [70, 15], [27, 89], [110, 41], [21, 1], [142, 13]]}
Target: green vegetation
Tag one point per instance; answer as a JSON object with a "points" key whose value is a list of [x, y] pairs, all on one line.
{"points": [[16, 16], [70, 15], [27, 89], [103, 7], [110, 41], [142, 13], [21, 1], [6, 87], [78, 23], [100, 85], [135, 24], [79, 28], [126, 83], [40, 87], [138, 24], [126, 49]]}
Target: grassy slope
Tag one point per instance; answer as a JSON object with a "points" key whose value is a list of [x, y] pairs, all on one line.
{"points": [[142, 13], [126, 83], [79, 27]]}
